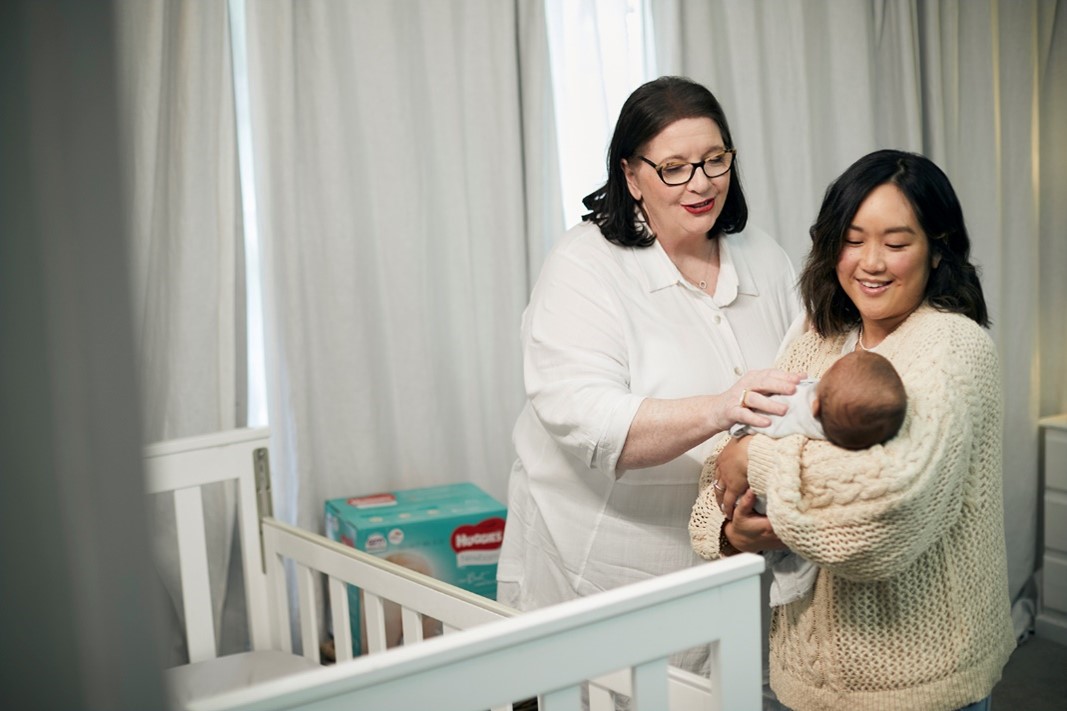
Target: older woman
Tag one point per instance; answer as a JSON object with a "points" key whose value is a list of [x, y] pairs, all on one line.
{"points": [[639, 340], [910, 609]]}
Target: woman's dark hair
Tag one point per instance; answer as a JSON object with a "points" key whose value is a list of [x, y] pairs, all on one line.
{"points": [[651, 108], [953, 286]]}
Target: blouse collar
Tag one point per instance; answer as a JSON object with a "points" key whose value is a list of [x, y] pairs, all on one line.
{"points": [[735, 272]]}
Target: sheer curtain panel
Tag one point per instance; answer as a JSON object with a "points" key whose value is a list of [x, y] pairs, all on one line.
{"points": [[541, 160], [176, 94], [390, 183]]}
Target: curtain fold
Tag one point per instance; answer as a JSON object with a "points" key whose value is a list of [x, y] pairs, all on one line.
{"points": [[390, 181], [811, 86], [540, 157], [176, 99]]}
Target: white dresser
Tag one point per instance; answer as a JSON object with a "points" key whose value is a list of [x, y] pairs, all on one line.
{"points": [[1052, 614]]}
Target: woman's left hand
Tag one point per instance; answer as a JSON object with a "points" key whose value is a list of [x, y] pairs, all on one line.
{"points": [[749, 531], [731, 472]]}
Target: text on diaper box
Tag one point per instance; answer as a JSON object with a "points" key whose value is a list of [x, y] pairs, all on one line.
{"points": [[486, 535]]}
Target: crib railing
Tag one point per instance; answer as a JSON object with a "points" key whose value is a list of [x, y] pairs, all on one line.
{"points": [[491, 656], [381, 581], [418, 595], [619, 639]]}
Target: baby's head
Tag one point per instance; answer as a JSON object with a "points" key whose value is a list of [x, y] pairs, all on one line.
{"points": [[860, 401]]}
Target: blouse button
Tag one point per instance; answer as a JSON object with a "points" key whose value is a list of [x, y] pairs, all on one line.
{"points": [[717, 319], [738, 370]]}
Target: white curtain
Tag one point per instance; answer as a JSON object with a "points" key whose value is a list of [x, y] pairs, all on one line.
{"points": [[811, 86], [176, 96], [390, 183]]}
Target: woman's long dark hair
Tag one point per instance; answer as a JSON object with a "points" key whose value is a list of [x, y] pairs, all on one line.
{"points": [[651, 108], [953, 286]]}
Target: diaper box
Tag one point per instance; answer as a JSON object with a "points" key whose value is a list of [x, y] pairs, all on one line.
{"points": [[451, 532]]}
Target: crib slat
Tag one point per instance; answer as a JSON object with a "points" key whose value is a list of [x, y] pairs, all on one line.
{"points": [[650, 685], [279, 598], [600, 699], [309, 614], [196, 589], [691, 691], [375, 622], [412, 625], [252, 557], [342, 630]]}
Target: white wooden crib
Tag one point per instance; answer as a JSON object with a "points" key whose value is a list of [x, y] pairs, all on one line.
{"points": [[489, 657]]}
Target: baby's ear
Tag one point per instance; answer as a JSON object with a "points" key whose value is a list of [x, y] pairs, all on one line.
{"points": [[815, 408]]}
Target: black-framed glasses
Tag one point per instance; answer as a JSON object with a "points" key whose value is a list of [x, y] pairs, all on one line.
{"points": [[674, 173]]}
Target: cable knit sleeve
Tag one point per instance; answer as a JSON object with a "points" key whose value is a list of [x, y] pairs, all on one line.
{"points": [[870, 514], [706, 520]]}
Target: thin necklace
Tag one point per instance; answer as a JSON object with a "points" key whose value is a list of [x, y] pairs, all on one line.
{"points": [[703, 283], [859, 341]]}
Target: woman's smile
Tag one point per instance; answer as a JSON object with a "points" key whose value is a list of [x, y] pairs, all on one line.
{"points": [[700, 208], [873, 287]]}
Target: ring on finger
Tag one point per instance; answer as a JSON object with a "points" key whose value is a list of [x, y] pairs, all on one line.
{"points": [[718, 486], [744, 394]]}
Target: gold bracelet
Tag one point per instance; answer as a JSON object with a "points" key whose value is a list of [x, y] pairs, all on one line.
{"points": [[726, 548]]}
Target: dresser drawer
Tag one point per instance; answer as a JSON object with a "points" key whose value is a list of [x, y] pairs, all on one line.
{"points": [[1051, 621], [1054, 583], [1056, 521], [1056, 459]]}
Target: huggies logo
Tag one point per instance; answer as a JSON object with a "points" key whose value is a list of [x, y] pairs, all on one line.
{"points": [[478, 544]]}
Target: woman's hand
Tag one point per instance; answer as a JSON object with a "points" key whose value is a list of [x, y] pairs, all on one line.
{"points": [[749, 531], [731, 475], [664, 429], [751, 395]]}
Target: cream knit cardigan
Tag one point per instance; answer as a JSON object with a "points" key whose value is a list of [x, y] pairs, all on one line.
{"points": [[910, 609]]}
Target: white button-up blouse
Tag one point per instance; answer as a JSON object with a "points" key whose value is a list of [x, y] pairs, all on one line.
{"points": [[606, 327]]}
